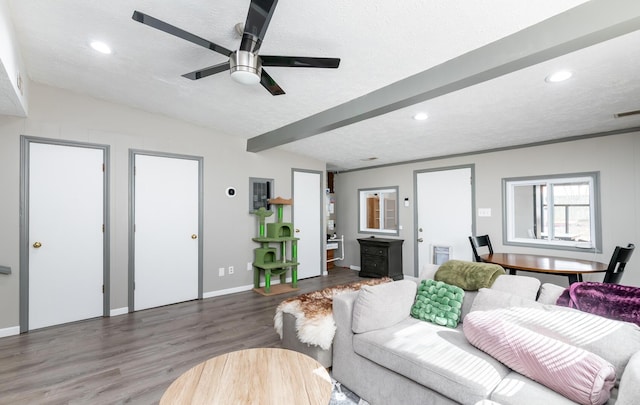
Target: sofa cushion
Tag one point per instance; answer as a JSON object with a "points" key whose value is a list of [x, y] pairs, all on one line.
{"points": [[629, 392], [438, 302], [570, 370], [516, 389], [522, 286], [382, 305], [489, 298], [437, 357], [614, 341], [549, 293]]}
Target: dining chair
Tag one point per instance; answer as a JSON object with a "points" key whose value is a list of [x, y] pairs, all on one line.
{"points": [[619, 259], [478, 242]]}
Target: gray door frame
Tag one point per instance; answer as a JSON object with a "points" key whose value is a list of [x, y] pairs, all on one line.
{"points": [[25, 143], [132, 219]]}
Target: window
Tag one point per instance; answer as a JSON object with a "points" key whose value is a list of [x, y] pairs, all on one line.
{"points": [[378, 210], [560, 211]]}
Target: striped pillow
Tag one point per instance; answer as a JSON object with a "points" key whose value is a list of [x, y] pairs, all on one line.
{"points": [[569, 370]]}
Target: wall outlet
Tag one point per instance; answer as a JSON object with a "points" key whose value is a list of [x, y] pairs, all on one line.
{"points": [[249, 266], [221, 271], [230, 269]]}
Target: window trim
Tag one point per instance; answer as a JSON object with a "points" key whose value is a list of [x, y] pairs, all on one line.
{"points": [[594, 197]]}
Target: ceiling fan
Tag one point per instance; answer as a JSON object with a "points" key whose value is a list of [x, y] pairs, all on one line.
{"points": [[245, 64]]}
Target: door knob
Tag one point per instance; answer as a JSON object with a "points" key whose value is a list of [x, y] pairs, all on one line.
{"points": [[297, 230], [420, 240], [37, 245], [194, 236]]}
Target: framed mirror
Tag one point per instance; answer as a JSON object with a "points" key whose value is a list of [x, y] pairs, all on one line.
{"points": [[378, 210]]}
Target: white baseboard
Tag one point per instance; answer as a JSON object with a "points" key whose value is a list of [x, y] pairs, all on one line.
{"points": [[12, 331], [226, 291], [119, 311], [234, 290], [352, 267]]}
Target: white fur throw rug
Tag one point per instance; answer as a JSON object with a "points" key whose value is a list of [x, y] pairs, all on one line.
{"points": [[314, 313]]}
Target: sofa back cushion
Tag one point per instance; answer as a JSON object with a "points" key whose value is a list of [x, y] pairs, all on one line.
{"points": [[520, 289], [549, 293], [522, 286], [382, 305]]}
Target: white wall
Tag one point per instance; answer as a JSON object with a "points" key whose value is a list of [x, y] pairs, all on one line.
{"points": [[228, 226], [617, 158]]}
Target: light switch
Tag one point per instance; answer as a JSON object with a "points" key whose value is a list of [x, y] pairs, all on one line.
{"points": [[484, 212]]}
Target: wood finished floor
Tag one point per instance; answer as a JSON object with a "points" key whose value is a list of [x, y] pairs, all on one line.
{"points": [[133, 358]]}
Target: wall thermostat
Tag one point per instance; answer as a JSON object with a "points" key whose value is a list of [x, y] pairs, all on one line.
{"points": [[231, 191]]}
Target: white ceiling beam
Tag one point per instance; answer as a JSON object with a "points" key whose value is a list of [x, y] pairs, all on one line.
{"points": [[588, 24]]}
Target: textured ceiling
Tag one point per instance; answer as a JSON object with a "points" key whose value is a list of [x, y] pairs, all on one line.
{"points": [[379, 43]]}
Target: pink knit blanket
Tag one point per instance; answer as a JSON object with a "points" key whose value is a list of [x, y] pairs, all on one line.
{"points": [[613, 301]]}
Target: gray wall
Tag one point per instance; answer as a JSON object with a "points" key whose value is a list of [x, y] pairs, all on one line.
{"points": [[228, 226], [616, 157]]}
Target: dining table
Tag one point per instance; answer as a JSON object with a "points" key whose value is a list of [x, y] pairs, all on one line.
{"points": [[574, 269]]}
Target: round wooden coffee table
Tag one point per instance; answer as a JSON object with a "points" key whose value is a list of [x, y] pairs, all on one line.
{"points": [[253, 376]]}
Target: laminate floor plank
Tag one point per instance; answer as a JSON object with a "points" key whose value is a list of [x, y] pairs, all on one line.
{"points": [[133, 358]]}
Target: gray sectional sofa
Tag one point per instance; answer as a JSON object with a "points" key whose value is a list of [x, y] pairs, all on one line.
{"points": [[388, 357]]}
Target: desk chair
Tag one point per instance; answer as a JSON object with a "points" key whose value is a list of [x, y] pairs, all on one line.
{"points": [[619, 259], [477, 242]]}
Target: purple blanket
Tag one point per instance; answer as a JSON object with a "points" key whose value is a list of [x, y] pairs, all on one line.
{"points": [[611, 301]]}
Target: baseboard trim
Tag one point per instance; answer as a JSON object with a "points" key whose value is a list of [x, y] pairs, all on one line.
{"points": [[12, 331], [234, 290], [119, 311], [352, 267]]}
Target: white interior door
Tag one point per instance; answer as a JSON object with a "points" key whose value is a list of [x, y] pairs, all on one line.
{"points": [[445, 213], [166, 230], [66, 208], [307, 217]]}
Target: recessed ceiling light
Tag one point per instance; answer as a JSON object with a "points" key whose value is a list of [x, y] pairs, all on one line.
{"points": [[420, 116], [559, 76], [101, 47]]}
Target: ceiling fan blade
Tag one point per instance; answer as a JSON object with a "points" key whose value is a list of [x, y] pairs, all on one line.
{"points": [[268, 83], [180, 33], [208, 71], [300, 61], [258, 19]]}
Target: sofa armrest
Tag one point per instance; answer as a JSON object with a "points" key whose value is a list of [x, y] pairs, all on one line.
{"points": [[343, 352], [343, 310], [629, 389]]}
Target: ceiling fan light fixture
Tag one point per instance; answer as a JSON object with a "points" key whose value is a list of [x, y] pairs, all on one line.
{"points": [[244, 77], [245, 67]]}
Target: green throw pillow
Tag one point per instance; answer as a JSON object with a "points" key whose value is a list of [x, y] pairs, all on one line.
{"points": [[438, 302]]}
